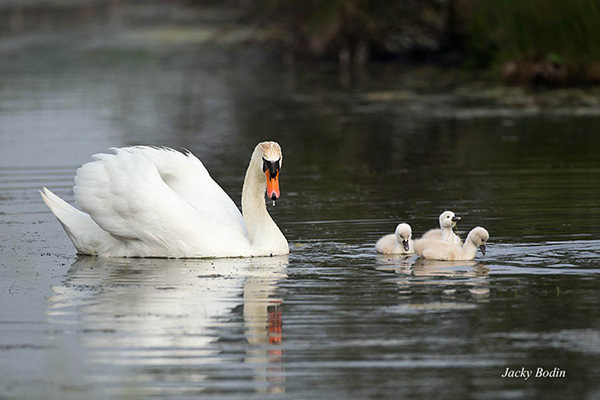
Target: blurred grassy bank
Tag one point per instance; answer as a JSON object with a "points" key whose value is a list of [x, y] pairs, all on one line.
{"points": [[551, 42], [538, 42]]}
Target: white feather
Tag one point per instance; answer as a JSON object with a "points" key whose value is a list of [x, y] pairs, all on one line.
{"points": [[392, 244], [157, 202], [445, 251], [445, 232]]}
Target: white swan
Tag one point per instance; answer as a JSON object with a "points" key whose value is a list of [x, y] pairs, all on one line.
{"points": [[447, 221], [446, 251], [398, 243], [157, 202]]}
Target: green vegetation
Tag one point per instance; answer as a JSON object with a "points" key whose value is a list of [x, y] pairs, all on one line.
{"points": [[546, 41], [538, 41]]}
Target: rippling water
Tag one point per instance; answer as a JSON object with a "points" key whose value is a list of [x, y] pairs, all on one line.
{"points": [[333, 319]]}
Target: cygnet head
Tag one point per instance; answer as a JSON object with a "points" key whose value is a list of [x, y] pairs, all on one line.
{"points": [[448, 219], [272, 160], [479, 236], [403, 234]]}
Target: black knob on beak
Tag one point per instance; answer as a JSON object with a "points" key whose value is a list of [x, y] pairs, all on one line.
{"points": [[405, 245]]}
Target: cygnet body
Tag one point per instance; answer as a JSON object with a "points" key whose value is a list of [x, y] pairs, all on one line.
{"points": [[448, 221], [398, 243], [445, 251]]}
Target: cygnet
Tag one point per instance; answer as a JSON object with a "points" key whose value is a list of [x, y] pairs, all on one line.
{"points": [[448, 221], [398, 243], [446, 251]]}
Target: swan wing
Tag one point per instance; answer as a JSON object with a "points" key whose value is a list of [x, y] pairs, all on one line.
{"points": [[387, 245], [456, 239], [436, 249], [188, 177], [432, 234], [438, 234], [134, 195]]}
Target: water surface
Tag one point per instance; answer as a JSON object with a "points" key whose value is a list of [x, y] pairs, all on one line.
{"points": [[332, 319]]}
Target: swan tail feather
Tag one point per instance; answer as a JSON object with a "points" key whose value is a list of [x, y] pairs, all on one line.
{"points": [[84, 233]]}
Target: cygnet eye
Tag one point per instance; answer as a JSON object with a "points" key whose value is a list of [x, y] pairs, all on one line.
{"points": [[448, 216]]}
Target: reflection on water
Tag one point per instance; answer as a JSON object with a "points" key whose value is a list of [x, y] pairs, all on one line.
{"points": [[263, 315], [449, 277], [143, 324]]}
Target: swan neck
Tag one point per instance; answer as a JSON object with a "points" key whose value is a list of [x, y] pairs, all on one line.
{"points": [[262, 230], [469, 248], [264, 235], [254, 208]]}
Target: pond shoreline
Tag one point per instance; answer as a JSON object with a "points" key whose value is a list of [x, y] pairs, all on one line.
{"points": [[231, 24]]}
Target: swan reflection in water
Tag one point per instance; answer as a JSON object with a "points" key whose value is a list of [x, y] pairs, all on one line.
{"points": [[263, 324], [449, 276], [147, 323]]}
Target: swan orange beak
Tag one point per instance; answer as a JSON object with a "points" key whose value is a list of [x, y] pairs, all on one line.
{"points": [[272, 185]]}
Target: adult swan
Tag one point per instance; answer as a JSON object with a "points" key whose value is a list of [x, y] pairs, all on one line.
{"points": [[157, 202]]}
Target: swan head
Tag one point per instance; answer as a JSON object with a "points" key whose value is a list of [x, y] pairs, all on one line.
{"points": [[479, 236], [272, 159], [403, 234], [448, 219]]}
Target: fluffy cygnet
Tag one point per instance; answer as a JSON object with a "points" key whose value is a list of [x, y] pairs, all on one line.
{"points": [[446, 251], [448, 221], [398, 243]]}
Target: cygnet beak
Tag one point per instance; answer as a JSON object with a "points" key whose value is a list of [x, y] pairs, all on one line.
{"points": [[456, 219], [482, 248], [405, 245]]}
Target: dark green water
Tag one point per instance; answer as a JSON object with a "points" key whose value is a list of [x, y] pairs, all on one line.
{"points": [[331, 320]]}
